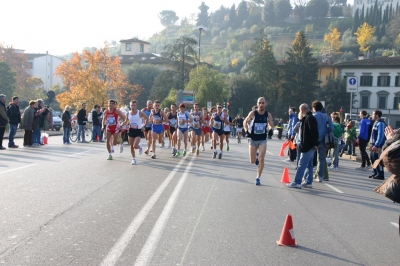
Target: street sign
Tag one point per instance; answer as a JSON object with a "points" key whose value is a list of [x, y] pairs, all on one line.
{"points": [[352, 84], [209, 105]]}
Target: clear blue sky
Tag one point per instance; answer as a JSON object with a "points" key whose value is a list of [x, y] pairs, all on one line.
{"points": [[64, 26]]}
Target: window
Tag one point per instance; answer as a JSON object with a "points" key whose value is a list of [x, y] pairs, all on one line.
{"points": [[366, 81], [396, 82], [128, 47], [383, 81], [142, 48], [364, 99], [382, 99]]}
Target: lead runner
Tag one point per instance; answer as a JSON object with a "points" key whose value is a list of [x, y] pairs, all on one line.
{"points": [[255, 125]]}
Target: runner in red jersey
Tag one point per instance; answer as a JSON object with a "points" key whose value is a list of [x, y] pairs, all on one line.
{"points": [[110, 125], [205, 128]]}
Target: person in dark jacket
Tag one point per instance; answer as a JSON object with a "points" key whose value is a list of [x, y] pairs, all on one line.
{"points": [[82, 119], [3, 119], [27, 123], [377, 140], [14, 116], [96, 122], [308, 145], [66, 118]]}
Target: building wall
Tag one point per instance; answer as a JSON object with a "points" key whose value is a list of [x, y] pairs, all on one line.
{"points": [[135, 48], [326, 72], [44, 67], [392, 91]]}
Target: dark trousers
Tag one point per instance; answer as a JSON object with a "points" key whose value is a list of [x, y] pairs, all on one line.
{"points": [[2, 131], [362, 145], [379, 170], [28, 137]]}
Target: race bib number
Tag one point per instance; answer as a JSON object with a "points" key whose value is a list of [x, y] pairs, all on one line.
{"points": [[259, 128], [196, 123], [134, 126], [156, 120], [111, 121], [172, 123], [217, 124], [182, 122]]}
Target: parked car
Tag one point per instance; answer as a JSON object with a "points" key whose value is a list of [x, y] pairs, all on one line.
{"points": [[57, 123]]}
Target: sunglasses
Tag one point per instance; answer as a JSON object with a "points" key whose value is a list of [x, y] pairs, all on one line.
{"points": [[219, 107]]}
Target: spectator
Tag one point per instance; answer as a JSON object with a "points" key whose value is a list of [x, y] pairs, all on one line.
{"points": [[82, 119], [3, 119], [50, 119], [324, 123], [350, 135], [66, 118], [309, 142], [14, 116], [291, 133], [337, 132], [96, 120], [280, 128], [377, 141], [27, 123], [363, 141]]}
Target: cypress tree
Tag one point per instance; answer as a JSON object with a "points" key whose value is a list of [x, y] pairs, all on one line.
{"points": [[382, 31], [367, 15], [386, 15], [233, 17], [362, 19], [390, 13], [375, 14], [356, 21]]}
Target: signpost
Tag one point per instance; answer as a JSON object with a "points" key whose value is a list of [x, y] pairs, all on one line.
{"points": [[352, 86], [209, 106]]}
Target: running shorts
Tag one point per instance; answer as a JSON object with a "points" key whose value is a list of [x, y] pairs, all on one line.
{"points": [[227, 132], [197, 131], [158, 129], [183, 130], [135, 133], [166, 127], [172, 130], [113, 130], [257, 143], [147, 129], [219, 132], [205, 129]]}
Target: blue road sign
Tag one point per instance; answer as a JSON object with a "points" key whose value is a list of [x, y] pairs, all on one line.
{"points": [[352, 81]]}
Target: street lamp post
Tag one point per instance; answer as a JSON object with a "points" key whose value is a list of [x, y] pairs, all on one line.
{"points": [[200, 29]]}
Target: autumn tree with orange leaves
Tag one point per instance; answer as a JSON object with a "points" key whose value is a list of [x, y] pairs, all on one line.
{"points": [[94, 78]]}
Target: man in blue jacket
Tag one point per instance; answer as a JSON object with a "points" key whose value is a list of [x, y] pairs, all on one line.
{"points": [[377, 140], [324, 125], [14, 116], [363, 141], [291, 134]]}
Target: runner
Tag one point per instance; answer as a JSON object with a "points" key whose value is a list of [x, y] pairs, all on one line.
{"points": [[213, 110], [134, 120], [172, 118], [217, 123], [166, 129], [257, 122], [183, 119], [205, 128], [157, 116], [227, 128], [147, 130], [196, 128], [110, 125], [239, 127]]}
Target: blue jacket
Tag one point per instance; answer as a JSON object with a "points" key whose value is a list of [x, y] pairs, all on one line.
{"points": [[364, 125], [322, 127], [378, 134], [292, 122]]}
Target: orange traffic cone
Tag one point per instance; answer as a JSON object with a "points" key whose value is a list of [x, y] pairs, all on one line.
{"points": [[287, 235], [284, 144], [285, 176]]}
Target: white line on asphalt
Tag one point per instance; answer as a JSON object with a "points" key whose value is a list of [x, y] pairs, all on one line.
{"points": [[119, 247], [78, 153], [147, 252], [395, 224], [270, 152], [17, 168], [335, 189]]}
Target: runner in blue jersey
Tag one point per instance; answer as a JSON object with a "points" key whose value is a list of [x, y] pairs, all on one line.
{"points": [[147, 129], [157, 116]]}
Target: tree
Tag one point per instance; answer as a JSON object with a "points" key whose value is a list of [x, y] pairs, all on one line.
{"points": [[93, 77], [300, 72], [162, 85], [7, 80], [233, 17], [203, 19], [317, 8], [170, 99], [268, 14], [356, 20], [334, 93], [364, 34], [332, 41], [283, 8], [300, 11], [336, 11], [258, 2], [243, 13], [182, 52], [207, 84], [145, 76], [168, 17]]}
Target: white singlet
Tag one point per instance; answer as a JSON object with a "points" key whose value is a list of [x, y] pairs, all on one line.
{"points": [[135, 121]]}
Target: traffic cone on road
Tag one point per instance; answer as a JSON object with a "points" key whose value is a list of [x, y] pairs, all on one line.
{"points": [[287, 235], [282, 153], [285, 176]]}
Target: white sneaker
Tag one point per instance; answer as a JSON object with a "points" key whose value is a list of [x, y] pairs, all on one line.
{"points": [[319, 179], [121, 148], [361, 168], [140, 150], [289, 161], [133, 161]]}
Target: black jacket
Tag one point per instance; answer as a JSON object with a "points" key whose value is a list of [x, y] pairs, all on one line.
{"points": [[14, 114], [96, 118], [309, 132], [81, 117], [66, 116]]}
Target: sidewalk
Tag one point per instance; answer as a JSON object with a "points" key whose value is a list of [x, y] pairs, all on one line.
{"points": [[20, 133]]}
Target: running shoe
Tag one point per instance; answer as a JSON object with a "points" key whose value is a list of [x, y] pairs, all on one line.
{"points": [[202, 149], [174, 152], [214, 155], [294, 185], [140, 150], [153, 156], [305, 185], [197, 152], [220, 155], [369, 167], [147, 152], [227, 148], [121, 148], [177, 154], [184, 153], [258, 183], [109, 157], [193, 149], [133, 161]]}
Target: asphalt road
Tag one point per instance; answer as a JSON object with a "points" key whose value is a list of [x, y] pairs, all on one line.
{"points": [[68, 205]]}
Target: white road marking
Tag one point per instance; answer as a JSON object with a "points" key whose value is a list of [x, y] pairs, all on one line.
{"points": [[149, 247], [335, 189], [119, 247], [18, 168], [78, 153], [270, 153], [395, 225]]}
